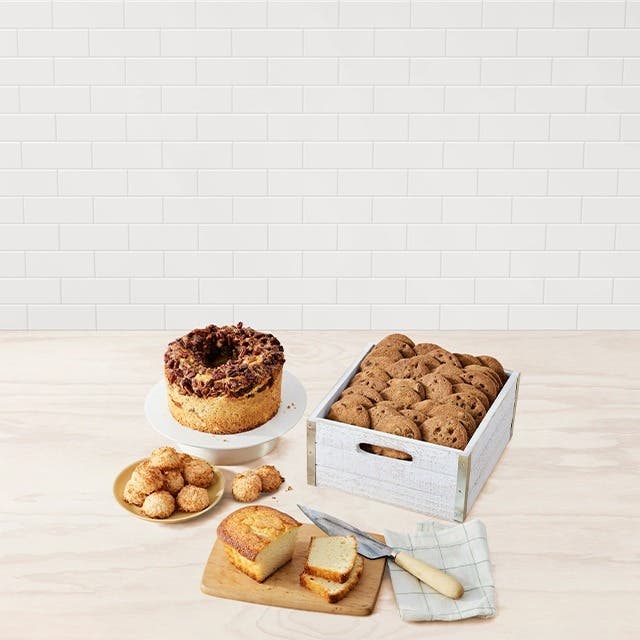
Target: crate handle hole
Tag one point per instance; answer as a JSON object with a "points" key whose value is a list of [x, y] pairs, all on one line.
{"points": [[369, 448]]}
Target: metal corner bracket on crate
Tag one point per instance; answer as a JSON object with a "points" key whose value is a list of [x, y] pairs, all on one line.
{"points": [[438, 480]]}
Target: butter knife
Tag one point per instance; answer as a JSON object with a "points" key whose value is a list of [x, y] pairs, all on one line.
{"points": [[371, 548]]}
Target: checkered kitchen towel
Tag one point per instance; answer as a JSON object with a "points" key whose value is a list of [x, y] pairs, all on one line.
{"points": [[461, 550]]}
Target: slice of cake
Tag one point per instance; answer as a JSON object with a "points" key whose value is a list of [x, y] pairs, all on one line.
{"points": [[333, 591], [331, 557], [258, 540]]}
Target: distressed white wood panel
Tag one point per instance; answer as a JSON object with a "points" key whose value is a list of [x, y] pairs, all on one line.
{"points": [[495, 433], [426, 456], [436, 500], [426, 484]]}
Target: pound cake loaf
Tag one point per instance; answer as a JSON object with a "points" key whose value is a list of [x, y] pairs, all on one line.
{"points": [[331, 557], [224, 380], [330, 590], [258, 540], [333, 567]]}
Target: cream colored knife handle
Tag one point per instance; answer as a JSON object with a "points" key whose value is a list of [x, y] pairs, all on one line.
{"points": [[445, 584]]}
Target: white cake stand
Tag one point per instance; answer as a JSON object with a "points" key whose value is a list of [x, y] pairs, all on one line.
{"points": [[234, 448]]}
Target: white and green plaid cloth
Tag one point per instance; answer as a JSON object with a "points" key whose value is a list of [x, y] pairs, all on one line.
{"points": [[460, 550]]}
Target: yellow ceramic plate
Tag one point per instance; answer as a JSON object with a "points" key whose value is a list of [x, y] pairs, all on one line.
{"points": [[215, 494]]}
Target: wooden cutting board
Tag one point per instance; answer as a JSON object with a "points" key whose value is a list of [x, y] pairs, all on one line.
{"points": [[282, 589]]}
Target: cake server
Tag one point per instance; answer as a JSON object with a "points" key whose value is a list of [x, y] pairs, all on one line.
{"points": [[371, 548]]}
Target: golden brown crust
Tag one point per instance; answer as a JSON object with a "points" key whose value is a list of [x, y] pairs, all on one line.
{"points": [[309, 583], [132, 495], [164, 458], [270, 477], [159, 504], [198, 472], [226, 414], [146, 479], [173, 481], [242, 563], [246, 487], [250, 529], [192, 499], [323, 572]]}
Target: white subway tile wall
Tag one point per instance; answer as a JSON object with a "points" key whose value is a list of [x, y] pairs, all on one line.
{"points": [[320, 164]]}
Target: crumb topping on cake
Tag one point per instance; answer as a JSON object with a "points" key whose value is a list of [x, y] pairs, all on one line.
{"points": [[230, 360]]}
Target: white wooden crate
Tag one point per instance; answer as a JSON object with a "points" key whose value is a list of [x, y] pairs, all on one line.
{"points": [[438, 480]]}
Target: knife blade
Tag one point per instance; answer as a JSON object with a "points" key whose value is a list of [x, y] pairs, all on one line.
{"points": [[371, 548]]}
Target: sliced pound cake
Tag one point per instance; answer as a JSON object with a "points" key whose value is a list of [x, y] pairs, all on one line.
{"points": [[331, 557], [333, 591], [258, 540]]}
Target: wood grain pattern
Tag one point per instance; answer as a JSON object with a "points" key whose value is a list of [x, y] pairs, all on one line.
{"points": [[561, 507], [282, 589]]}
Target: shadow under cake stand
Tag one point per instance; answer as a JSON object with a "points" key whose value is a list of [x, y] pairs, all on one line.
{"points": [[234, 448]]}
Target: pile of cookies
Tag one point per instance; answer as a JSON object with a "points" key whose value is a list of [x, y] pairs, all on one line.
{"points": [[168, 480], [247, 486], [420, 391]]}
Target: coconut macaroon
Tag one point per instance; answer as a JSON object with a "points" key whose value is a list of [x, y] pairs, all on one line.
{"points": [[198, 472], [132, 495], [270, 477], [159, 505], [192, 499], [184, 458], [246, 487], [147, 479], [173, 481], [164, 458], [157, 481]]}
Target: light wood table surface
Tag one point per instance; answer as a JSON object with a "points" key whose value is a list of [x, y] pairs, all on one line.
{"points": [[561, 508]]}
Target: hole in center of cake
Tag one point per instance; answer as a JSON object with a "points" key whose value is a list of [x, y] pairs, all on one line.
{"points": [[218, 356]]}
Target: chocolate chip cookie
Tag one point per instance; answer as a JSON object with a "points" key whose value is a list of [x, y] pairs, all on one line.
{"points": [[445, 431], [459, 413], [474, 391], [436, 386], [356, 415], [468, 402]]}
